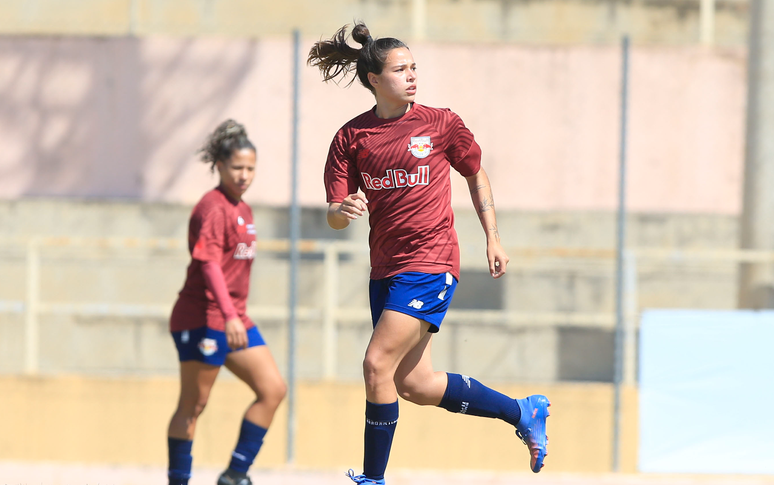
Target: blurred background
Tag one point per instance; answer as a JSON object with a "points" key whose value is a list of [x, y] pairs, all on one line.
{"points": [[104, 103]]}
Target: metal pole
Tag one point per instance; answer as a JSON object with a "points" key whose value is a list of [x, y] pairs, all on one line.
{"points": [[31, 328], [295, 234], [756, 280], [619, 260]]}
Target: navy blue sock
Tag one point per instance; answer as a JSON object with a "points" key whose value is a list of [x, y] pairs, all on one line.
{"points": [[468, 396], [381, 420], [249, 444], [180, 460]]}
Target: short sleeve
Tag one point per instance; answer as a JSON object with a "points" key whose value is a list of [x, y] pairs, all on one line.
{"points": [[208, 235], [341, 177], [463, 152]]}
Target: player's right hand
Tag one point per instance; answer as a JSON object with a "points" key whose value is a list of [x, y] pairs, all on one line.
{"points": [[353, 206], [236, 335]]}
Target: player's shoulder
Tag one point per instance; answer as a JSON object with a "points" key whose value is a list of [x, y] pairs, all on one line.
{"points": [[213, 202], [363, 120]]}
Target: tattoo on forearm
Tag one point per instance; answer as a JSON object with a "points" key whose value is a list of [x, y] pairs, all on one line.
{"points": [[477, 188], [495, 232], [486, 204]]}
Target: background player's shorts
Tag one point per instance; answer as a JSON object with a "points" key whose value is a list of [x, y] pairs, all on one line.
{"points": [[209, 346], [421, 295]]}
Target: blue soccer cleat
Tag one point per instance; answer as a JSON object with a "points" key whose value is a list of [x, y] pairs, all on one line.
{"points": [[532, 428], [362, 479]]}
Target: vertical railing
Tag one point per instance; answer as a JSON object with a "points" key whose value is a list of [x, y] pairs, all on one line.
{"points": [[707, 22], [330, 307], [32, 301]]}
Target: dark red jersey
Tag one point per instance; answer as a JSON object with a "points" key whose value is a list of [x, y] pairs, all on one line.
{"points": [[220, 230], [402, 165]]}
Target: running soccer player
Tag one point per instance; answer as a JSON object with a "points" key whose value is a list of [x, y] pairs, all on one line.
{"points": [[209, 324], [399, 154]]}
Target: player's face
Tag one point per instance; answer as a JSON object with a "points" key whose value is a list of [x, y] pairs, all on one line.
{"points": [[398, 81], [237, 173]]}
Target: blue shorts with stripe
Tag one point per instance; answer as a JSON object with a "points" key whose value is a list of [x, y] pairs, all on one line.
{"points": [[210, 346], [421, 295]]}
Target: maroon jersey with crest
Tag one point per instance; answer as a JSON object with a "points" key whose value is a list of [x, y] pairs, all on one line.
{"points": [[220, 230], [402, 166]]}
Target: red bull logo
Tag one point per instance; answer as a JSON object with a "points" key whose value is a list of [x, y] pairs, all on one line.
{"points": [[420, 146], [397, 178], [243, 251]]}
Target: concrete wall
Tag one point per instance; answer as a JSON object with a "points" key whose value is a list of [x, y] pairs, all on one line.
{"points": [[124, 421], [530, 351], [123, 118], [522, 21]]}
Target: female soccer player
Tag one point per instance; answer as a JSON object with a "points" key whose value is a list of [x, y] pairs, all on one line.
{"points": [[208, 322], [399, 154]]}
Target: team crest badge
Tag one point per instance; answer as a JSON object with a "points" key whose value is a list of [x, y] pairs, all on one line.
{"points": [[420, 146], [208, 346]]}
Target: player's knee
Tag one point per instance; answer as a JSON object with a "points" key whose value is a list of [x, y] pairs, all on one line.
{"points": [[192, 409], [374, 369], [277, 392], [369, 366], [272, 393]]}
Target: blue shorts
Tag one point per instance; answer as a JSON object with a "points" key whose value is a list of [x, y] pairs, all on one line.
{"points": [[421, 295], [209, 346]]}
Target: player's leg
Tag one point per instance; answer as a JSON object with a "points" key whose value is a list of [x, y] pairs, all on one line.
{"points": [[415, 379], [417, 382], [196, 380], [256, 367], [394, 336]]}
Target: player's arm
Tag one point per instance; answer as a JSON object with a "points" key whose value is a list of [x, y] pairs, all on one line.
{"points": [[341, 213], [236, 335], [483, 202]]}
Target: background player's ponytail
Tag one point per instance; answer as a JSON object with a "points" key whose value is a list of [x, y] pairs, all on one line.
{"points": [[227, 138], [334, 57]]}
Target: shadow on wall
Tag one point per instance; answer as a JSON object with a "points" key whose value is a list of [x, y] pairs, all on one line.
{"points": [[89, 116]]}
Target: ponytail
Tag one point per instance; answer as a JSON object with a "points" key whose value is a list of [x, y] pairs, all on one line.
{"points": [[335, 58]]}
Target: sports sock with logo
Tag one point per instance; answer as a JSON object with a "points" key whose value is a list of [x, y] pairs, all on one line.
{"points": [[180, 460], [468, 396], [247, 448], [381, 420]]}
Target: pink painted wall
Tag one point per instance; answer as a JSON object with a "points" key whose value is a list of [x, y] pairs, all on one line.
{"points": [[122, 117]]}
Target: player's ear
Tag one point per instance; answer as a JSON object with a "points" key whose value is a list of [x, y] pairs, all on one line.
{"points": [[373, 79]]}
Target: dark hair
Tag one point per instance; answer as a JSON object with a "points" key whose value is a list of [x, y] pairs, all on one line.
{"points": [[227, 138], [334, 57]]}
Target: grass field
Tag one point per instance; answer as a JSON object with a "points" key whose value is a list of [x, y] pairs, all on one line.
{"points": [[18, 473]]}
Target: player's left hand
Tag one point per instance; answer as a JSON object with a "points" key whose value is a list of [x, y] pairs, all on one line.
{"points": [[498, 260], [236, 335]]}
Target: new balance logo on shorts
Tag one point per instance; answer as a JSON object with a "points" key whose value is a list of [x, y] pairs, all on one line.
{"points": [[416, 304]]}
